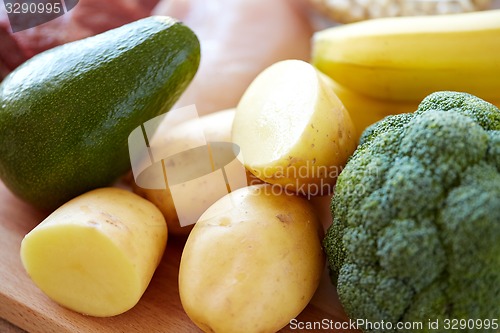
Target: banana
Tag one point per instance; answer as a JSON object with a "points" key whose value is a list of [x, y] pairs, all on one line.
{"points": [[407, 58], [365, 110]]}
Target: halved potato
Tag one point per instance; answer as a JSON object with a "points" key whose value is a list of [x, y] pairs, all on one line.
{"points": [[293, 130], [97, 253]]}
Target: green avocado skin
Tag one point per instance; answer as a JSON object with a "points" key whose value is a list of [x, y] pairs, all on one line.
{"points": [[66, 114]]}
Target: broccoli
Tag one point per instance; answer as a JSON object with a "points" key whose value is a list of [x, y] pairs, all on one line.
{"points": [[416, 217]]}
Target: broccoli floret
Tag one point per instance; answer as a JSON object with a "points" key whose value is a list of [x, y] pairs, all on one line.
{"points": [[416, 216]]}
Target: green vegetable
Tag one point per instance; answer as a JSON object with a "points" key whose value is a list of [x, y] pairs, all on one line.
{"points": [[416, 229], [66, 114]]}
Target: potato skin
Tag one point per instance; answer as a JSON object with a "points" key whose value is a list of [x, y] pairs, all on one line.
{"points": [[252, 262], [216, 128]]}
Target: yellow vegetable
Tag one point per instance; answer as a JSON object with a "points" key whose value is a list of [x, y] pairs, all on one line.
{"points": [[188, 156], [407, 58], [293, 130], [252, 262], [96, 254]]}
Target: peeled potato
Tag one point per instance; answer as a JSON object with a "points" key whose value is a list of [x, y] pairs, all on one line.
{"points": [[293, 130], [194, 178], [252, 262], [96, 254]]}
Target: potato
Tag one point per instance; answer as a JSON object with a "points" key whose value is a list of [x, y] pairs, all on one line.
{"points": [[202, 182], [293, 130], [252, 262], [96, 254]]}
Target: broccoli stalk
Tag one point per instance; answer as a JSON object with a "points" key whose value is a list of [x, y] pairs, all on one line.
{"points": [[416, 216]]}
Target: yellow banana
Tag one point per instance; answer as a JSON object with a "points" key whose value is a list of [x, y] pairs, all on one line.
{"points": [[365, 110], [407, 58]]}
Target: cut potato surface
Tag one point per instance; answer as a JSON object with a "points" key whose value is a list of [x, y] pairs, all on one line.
{"points": [[293, 130], [275, 110], [97, 253]]}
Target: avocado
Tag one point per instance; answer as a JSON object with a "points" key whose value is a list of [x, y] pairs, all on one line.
{"points": [[66, 114]]}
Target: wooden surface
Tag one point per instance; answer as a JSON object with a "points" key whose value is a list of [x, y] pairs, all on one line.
{"points": [[159, 310]]}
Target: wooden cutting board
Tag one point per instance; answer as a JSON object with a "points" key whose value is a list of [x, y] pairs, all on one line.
{"points": [[159, 310]]}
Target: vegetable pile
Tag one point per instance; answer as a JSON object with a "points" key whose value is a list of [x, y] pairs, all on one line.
{"points": [[417, 215], [416, 208]]}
